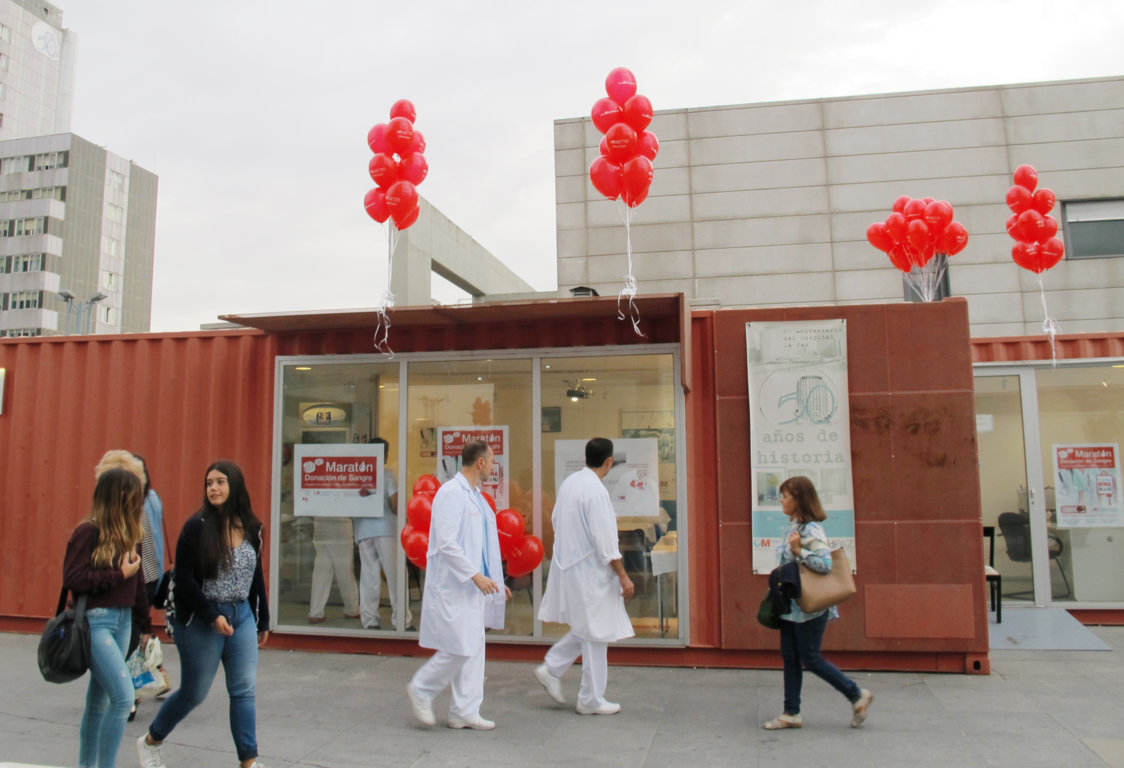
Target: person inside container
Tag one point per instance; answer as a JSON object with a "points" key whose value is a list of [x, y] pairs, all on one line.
{"points": [[802, 633]]}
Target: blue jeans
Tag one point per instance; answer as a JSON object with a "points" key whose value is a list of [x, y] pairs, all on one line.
{"points": [[201, 649], [800, 649], [110, 694]]}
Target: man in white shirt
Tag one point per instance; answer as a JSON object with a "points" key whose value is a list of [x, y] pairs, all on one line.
{"points": [[464, 593], [377, 540], [587, 585]]}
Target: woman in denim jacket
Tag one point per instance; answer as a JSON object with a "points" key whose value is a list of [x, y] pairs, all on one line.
{"points": [[802, 633]]}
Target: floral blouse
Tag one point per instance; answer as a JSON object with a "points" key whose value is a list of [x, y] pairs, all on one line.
{"points": [[815, 553]]}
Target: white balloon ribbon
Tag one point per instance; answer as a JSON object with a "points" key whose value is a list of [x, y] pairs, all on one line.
{"points": [[1049, 324], [629, 290]]}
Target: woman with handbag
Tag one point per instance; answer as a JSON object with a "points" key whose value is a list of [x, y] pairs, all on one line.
{"points": [[802, 633], [221, 613], [102, 562], [152, 564]]}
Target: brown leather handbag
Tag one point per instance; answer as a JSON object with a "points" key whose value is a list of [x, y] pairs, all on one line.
{"points": [[823, 590]]}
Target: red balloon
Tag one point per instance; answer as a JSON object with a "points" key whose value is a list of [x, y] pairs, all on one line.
{"points": [[878, 236], [953, 240], [1050, 253], [510, 526], [636, 178], [606, 113], [417, 146], [900, 259], [895, 226], [928, 200], [400, 134], [488, 498], [415, 544], [621, 140], [420, 510], [1031, 225], [376, 139], [375, 203], [620, 85], [1044, 200], [525, 556], [917, 233], [1012, 225], [648, 145], [1019, 198], [403, 108], [937, 215], [1026, 177], [914, 209], [603, 147], [401, 198], [413, 168], [1049, 230], [383, 170], [606, 177], [407, 221], [638, 112], [1026, 256], [426, 484], [899, 203]]}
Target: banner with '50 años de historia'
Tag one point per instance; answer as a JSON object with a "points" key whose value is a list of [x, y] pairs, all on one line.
{"points": [[799, 424]]}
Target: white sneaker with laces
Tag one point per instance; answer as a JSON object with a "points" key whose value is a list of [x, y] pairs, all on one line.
{"points": [[475, 722], [606, 708], [552, 684], [149, 754]]}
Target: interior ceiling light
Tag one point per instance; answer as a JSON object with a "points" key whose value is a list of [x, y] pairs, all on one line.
{"points": [[578, 391]]}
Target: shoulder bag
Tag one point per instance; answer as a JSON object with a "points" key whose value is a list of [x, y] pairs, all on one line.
{"points": [[823, 590], [64, 648], [767, 615]]}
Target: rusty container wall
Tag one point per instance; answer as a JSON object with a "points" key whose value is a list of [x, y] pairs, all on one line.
{"points": [[180, 400], [916, 486]]}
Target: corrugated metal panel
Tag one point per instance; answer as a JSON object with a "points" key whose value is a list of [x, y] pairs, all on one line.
{"points": [[1016, 349], [182, 401]]}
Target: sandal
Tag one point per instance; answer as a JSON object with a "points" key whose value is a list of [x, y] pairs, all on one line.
{"points": [[860, 708], [784, 721]]}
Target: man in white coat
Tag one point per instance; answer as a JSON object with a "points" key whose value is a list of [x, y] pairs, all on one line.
{"points": [[587, 585], [464, 593]]}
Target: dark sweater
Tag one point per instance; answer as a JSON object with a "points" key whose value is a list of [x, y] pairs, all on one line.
{"points": [[106, 587], [190, 600]]}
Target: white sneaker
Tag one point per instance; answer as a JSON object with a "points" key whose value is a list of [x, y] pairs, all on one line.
{"points": [[149, 754], [256, 764], [552, 684], [422, 709], [475, 722], [606, 708]]}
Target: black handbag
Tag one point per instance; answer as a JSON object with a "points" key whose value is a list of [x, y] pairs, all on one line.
{"points": [[64, 648], [767, 615]]}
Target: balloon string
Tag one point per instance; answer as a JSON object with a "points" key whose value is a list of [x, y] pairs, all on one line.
{"points": [[629, 289], [382, 321], [1049, 324]]}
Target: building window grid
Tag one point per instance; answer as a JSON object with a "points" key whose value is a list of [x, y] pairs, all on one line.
{"points": [[33, 226], [27, 262], [115, 213], [115, 181], [1093, 229], [46, 161], [3, 62], [25, 300], [5, 33], [109, 245]]}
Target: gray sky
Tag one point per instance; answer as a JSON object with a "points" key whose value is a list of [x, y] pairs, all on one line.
{"points": [[255, 113]]}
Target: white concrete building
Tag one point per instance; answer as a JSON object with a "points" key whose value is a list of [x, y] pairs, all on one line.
{"points": [[768, 204], [37, 59]]}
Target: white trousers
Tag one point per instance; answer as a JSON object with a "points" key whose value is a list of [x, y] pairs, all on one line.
{"points": [[464, 673], [595, 666], [378, 552], [334, 559]]}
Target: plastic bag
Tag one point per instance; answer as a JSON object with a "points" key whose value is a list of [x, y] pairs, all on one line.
{"points": [[144, 666]]}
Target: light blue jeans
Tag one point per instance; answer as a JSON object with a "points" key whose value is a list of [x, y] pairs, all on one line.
{"points": [[110, 694], [201, 649]]}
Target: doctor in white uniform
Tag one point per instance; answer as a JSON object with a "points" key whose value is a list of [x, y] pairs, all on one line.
{"points": [[464, 593], [587, 585]]}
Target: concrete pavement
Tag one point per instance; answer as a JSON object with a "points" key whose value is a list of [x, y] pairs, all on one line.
{"points": [[1037, 708]]}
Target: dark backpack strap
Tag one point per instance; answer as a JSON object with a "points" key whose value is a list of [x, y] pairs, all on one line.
{"points": [[62, 601]]}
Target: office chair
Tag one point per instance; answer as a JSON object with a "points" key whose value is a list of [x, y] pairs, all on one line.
{"points": [[1015, 530]]}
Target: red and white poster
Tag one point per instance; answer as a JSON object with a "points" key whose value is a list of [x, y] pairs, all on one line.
{"points": [[337, 480], [452, 440], [1087, 485]]}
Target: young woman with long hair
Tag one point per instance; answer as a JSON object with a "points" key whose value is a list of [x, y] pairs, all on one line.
{"points": [[102, 562], [802, 633], [221, 613]]}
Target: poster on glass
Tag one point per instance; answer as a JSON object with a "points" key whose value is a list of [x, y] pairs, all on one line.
{"points": [[450, 445], [1087, 488]]}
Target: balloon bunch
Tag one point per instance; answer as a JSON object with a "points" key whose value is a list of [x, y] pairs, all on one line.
{"points": [[419, 511], [918, 236], [624, 168], [1036, 247], [522, 552], [397, 167]]}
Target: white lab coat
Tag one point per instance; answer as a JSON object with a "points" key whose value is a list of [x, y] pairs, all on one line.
{"points": [[454, 611], [582, 590]]}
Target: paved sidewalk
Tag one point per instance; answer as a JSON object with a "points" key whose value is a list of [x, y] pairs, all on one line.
{"points": [[1037, 708]]}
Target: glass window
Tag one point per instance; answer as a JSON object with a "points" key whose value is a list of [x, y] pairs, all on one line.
{"points": [[27, 262], [109, 245], [3, 61], [1083, 407], [629, 399], [14, 164], [1094, 229], [34, 226], [319, 564], [115, 181], [491, 397], [5, 33], [115, 213]]}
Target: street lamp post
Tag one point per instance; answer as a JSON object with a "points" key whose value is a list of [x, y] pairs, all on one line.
{"points": [[90, 302], [68, 297]]}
